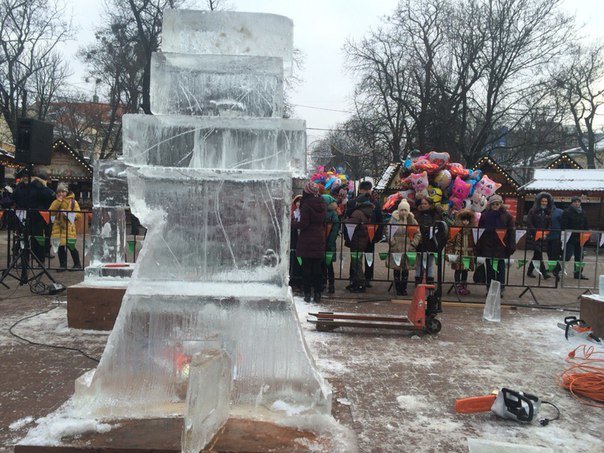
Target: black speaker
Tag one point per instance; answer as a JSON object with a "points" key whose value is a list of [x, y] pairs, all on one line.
{"points": [[34, 142]]}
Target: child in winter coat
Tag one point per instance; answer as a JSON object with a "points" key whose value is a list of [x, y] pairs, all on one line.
{"points": [[402, 240], [332, 227], [462, 245], [63, 228], [427, 215]]}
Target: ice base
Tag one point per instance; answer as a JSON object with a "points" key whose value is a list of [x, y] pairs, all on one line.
{"points": [[228, 33], [141, 373], [219, 85], [211, 142], [102, 271]]}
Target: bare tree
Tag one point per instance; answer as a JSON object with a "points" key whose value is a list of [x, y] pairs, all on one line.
{"points": [[48, 82], [29, 33], [579, 84]]}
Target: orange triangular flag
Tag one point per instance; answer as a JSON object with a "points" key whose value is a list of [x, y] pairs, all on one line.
{"points": [[328, 228], [1, 214], [501, 234], [453, 232], [411, 230], [45, 215], [541, 235], [371, 231], [584, 238]]}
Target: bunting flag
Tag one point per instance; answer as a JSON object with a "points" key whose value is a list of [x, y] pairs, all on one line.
{"points": [[601, 237], [299, 258], [431, 232], [383, 255], [21, 215], [1, 214], [476, 233], [520, 234], [411, 257], [551, 265], [329, 257], [45, 215], [131, 245], [369, 258], [40, 240], [71, 242], [537, 266], [579, 266], [566, 236], [495, 265], [452, 258], [52, 219], [71, 216], [350, 227], [453, 232], [481, 260], [584, 237], [55, 243], [397, 258], [355, 255], [371, 232], [501, 234], [411, 230], [328, 228], [541, 234], [465, 262], [392, 229], [521, 263]]}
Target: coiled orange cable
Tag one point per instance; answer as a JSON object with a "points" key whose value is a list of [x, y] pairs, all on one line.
{"points": [[585, 378]]}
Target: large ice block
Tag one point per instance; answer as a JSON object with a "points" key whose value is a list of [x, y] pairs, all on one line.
{"points": [[228, 33], [109, 184], [142, 373], [212, 225], [219, 85], [108, 235], [210, 142], [208, 398]]}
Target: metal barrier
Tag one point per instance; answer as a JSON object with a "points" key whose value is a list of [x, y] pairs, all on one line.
{"points": [[551, 255]]}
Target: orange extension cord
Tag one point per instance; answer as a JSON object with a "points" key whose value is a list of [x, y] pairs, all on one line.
{"points": [[585, 378]]}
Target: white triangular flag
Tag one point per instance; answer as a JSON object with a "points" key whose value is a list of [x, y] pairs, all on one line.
{"points": [[393, 229], [350, 227], [452, 258], [71, 216], [431, 233], [52, 219], [480, 260], [519, 234], [369, 258], [537, 266], [511, 260], [477, 232], [601, 239], [21, 215], [566, 236], [397, 258]]}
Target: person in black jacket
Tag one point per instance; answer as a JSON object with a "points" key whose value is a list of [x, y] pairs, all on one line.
{"points": [[35, 196], [427, 215], [377, 218], [538, 223], [574, 218]]}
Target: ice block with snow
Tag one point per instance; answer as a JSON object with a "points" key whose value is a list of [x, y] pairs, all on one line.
{"points": [[228, 33], [215, 142], [208, 397], [219, 85]]}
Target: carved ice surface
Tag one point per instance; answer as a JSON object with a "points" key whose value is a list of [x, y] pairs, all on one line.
{"points": [[228, 33], [208, 398], [214, 195], [216, 85], [110, 184], [210, 142], [108, 239]]}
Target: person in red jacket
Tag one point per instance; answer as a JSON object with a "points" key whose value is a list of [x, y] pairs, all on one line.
{"points": [[311, 240]]}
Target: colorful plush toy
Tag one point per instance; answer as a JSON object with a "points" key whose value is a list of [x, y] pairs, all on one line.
{"points": [[486, 186], [439, 159], [443, 179], [419, 183], [457, 169], [423, 164], [459, 192], [478, 202]]}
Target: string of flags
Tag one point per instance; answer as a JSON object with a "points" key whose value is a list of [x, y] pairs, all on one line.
{"points": [[48, 217]]}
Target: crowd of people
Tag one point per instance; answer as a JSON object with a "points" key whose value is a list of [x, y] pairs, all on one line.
{"points": [[318, 219], [50, 217]]}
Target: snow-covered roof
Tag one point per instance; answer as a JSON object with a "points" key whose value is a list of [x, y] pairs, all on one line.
{"points": [[566, 180], [389, 173]]}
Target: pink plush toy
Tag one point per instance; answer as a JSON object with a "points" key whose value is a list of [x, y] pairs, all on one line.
{"points": [[459, 192], [486, 186], [419, 182]]}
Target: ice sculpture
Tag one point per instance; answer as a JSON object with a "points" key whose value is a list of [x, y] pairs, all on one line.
{"points": [[214, 194], [108, 230]]}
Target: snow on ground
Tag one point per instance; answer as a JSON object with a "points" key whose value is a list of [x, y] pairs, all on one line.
{"points": [[403, 391]]}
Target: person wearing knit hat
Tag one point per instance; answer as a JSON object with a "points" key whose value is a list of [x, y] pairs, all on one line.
{"points": [[495, 249], [400, 244], [332, 228], [311, 188]]}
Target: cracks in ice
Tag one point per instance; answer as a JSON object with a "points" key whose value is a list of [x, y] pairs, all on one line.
{"points": [[226, 237]]}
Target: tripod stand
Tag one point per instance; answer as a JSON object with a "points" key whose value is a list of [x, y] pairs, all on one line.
{"points": [[21, 263]]}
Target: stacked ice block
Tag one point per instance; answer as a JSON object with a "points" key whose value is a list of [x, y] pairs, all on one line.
{"points": [[214, 193]]}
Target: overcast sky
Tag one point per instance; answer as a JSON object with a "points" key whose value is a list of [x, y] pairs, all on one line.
{"points": [[321, 27]]}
